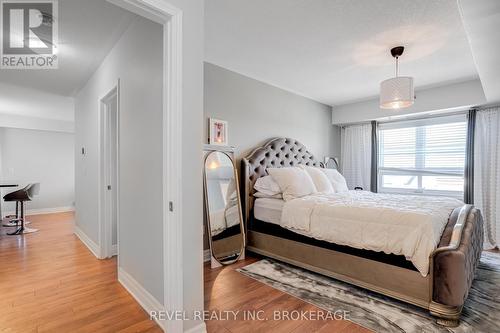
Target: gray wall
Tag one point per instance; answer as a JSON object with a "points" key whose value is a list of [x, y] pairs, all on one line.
{"points": [[335, 135], [39, 156], [257, 112], [136, 60]]}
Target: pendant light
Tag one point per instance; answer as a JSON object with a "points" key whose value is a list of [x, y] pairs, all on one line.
{"points": [[398, 92]]}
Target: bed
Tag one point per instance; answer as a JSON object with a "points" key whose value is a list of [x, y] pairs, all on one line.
{"points": [[440, 286]]}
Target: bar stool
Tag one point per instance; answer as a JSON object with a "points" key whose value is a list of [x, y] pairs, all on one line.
{"points": [[20, 197], [14, 220]]}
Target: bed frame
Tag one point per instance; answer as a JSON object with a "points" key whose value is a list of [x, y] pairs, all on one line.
{"points": [[452, 265]]}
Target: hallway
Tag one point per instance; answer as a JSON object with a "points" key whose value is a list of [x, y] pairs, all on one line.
{"points": [[51, 282]]}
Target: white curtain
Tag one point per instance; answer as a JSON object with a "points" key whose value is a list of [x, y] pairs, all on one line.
{"points": [[487, 172], [356, 154]]}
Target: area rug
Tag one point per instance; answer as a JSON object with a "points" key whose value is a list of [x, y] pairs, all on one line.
{"points": [[481, 312]]}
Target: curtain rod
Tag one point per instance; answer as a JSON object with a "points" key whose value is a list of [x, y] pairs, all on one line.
{"points": [[428, 116], [409, 118], [368, 122], [485, 107]]}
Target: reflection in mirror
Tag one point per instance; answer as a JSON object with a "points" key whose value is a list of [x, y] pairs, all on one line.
{"points": [[224, 210]]}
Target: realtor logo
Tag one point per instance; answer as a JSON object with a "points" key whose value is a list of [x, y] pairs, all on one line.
{"points": [[28, 34]]}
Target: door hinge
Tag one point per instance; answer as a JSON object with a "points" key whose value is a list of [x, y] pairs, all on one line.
{"points": [[171, 206]]}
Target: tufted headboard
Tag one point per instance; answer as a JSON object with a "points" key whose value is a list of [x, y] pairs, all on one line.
{"points": [[276, 153]]}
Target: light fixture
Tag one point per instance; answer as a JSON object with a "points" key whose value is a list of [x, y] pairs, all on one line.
{"points": [[398, 92], [213, 165]]}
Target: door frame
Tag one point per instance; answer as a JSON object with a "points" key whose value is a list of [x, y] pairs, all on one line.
{"points": [[170, 17], [105, 227]]}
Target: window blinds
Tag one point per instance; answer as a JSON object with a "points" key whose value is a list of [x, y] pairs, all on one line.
{"points": [[425, 156]]}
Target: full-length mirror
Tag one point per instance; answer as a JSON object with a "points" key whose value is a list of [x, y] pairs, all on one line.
{"points": [[225, 223]]}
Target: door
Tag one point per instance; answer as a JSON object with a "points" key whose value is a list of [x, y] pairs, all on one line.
{"points": [[109, 116]]}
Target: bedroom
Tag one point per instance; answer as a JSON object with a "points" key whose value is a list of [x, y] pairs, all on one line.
{"points": [[363, 137], [251, 166]]}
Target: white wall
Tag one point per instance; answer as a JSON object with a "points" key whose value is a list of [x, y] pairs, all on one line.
{"points": [[22, 101], [192, 143], [136, 60], [22, 107], [35, 123], [449, 97], [39, 156]]}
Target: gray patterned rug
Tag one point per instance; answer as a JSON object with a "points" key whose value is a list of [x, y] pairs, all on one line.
{"points": [[379, 313]]}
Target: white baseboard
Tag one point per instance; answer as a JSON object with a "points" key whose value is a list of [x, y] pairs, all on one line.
{"points": [[200, 328], [114, 250], [141, 295], [92, 246], [44, 211], [206, 255]]}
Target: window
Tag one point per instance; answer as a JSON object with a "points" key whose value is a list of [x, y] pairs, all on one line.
{"points": [[425, 156]]}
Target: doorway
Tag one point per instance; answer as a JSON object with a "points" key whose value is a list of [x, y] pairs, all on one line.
{"points": [[174, 267], [109, 112]]}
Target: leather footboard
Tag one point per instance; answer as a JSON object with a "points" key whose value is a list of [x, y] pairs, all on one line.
{"points": [[455, 266]]}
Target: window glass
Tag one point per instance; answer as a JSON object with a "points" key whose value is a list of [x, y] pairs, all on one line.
{"points": [[425, 156]]}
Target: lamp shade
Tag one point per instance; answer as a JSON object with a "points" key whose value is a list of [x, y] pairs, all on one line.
{"points": [[397, 93]]}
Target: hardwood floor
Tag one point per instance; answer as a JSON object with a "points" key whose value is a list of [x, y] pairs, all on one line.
{"points": [[228, 290], [50, 282]]}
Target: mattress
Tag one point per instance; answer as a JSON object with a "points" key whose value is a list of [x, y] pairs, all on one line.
{"points": [[268, 210], [364, 221], [398, 224], [276, 230]]}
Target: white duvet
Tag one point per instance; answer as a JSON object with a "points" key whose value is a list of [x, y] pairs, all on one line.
{"points": [[398, 224], [223, 219]]}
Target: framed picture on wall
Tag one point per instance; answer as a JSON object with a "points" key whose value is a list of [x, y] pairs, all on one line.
{"points": [[217, 131]]}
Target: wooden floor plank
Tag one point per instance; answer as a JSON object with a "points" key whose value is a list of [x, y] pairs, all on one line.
{"points": [[228, 290], [51, 282]]}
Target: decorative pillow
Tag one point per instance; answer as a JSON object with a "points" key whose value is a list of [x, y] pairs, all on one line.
{"points": [[293, 181], [320, 180], [338, 181], [262, 195], [267, 186]]}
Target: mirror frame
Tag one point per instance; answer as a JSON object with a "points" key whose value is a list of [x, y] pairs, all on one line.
{"points": [[207, 213]]}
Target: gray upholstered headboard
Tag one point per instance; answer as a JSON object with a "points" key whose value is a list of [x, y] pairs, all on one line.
{"points": [[276, 153]]}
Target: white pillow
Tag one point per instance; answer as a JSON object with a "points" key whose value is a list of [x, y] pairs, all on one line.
{"points": [[262, 195], [293, 181], [338, 181], [266, 185], [320, 180]]}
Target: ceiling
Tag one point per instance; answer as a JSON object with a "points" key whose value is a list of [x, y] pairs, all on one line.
{"points": [[337, 51], [87, 32], [482, 24]]}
